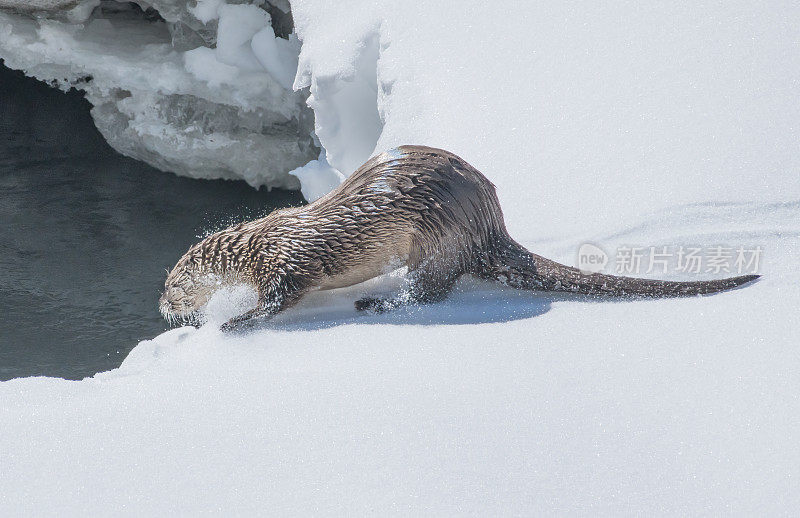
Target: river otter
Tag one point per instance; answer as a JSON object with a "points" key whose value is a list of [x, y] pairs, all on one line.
{"points": [[412, 206]]}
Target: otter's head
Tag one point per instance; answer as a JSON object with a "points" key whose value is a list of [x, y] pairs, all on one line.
{"points": [[186, 290]]}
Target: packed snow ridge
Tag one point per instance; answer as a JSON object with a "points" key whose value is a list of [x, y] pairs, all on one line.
{"points": [[203, 89]]}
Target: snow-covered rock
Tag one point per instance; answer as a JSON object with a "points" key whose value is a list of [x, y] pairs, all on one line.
{"points": [[38, 5], [202, 97]]}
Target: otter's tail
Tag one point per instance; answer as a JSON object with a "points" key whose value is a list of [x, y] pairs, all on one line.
{"points": [[515, 266]]}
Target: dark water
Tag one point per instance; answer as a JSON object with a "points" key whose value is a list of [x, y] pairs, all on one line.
{"points": [[86, 234]]}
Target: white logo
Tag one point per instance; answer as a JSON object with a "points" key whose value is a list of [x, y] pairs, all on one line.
{"points": [[591, 258]]}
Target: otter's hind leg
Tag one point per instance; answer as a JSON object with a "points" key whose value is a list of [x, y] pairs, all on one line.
{"points": [[427, 285]]}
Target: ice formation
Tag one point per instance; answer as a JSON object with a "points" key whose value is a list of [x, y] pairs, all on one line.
{"points": [[665, 124], [200, 89]]}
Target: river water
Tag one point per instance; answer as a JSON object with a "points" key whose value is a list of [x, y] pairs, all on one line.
{"points": [[86, 235]]}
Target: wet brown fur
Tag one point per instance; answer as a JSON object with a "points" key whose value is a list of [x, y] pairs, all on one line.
{"points": [[413, 206]]}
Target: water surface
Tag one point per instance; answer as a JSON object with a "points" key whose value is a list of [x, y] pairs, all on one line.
{"points": [[86, 235]]}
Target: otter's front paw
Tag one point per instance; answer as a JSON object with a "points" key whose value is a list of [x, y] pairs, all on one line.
{"points": [[245, 320], [228, 326], [238, 323], [374, 304], [366, 304]]}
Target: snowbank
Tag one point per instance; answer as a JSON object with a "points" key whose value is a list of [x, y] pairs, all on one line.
{"points": [[665, 125], [585, 115]]}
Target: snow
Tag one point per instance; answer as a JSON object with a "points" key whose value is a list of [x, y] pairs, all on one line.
{"points": [[618, 125], [317, 178], [237, 26], [347, 120], [203, 65], [276, 55], [206, 10]]}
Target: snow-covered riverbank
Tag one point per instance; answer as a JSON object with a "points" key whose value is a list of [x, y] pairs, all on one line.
{"points": [[491, 403]]}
